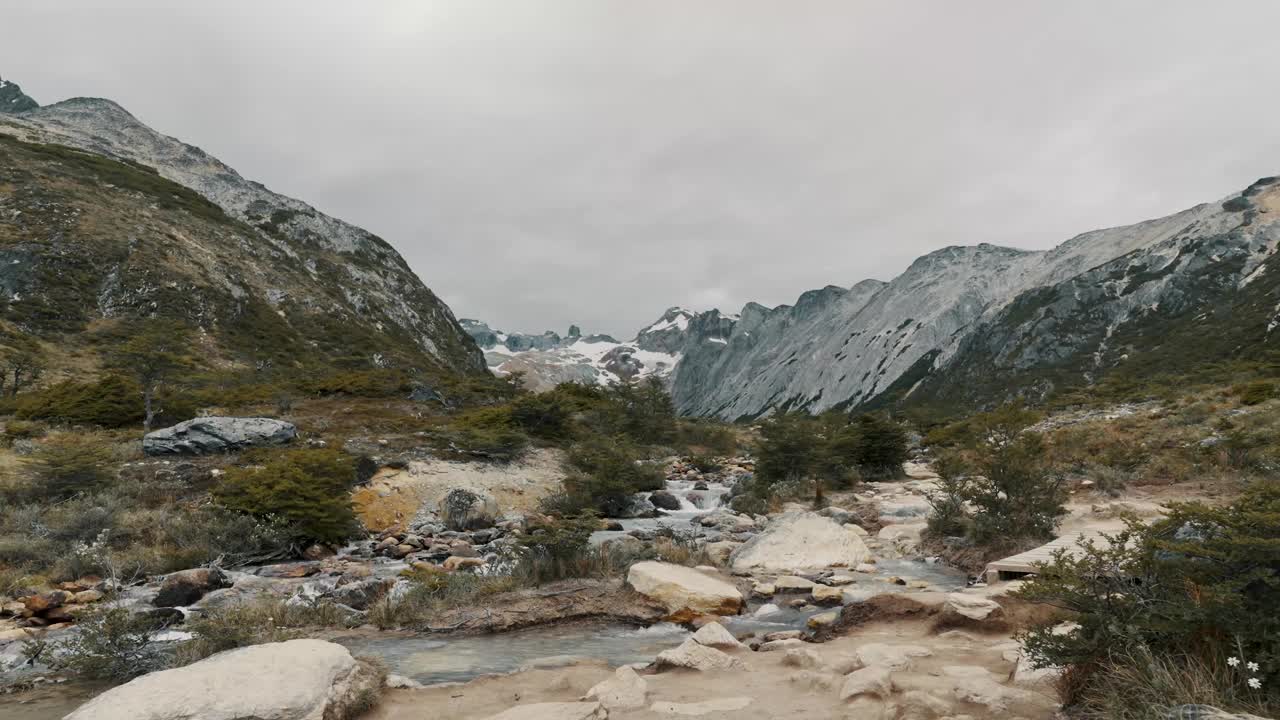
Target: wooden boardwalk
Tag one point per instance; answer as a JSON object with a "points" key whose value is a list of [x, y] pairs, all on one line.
{"points": [[1025, 563]]}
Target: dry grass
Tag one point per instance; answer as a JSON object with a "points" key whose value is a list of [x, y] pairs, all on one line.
{"points": [[1137, 685]]}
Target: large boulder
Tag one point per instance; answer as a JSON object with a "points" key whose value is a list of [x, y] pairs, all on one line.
{"points": [[210, 435], [294, 680], [185, 587], [683, 591], [800, 541], [467, 509]]}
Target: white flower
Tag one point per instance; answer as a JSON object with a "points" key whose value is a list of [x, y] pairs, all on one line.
{"points": [[1255, 683], [1233, 661], [1253, 667]]}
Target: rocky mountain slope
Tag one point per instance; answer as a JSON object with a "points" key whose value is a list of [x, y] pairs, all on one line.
{"points": [[982, 324], [102, 217]]}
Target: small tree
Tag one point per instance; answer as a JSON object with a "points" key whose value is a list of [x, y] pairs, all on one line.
{"points": [[788, 449], [1014, 492], [68, 465], [21, 363], [881, 447], [156, 349]]}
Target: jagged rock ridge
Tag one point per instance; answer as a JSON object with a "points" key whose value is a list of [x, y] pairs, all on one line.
{"points": [[982, 324]]}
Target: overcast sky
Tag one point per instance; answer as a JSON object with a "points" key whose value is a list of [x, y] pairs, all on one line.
{"points": [[596, 161]]}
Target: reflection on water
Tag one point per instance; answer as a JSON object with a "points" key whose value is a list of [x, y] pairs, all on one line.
{"points": [[48, 701], [435, 658]]}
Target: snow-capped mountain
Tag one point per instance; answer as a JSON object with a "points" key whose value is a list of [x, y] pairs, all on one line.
{"points": [[549, 359]]}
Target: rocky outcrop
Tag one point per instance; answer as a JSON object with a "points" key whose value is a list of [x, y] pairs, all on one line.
{"points": [[683, 591], [212, 435], [800, 541], [13, 100], [294, 680]]}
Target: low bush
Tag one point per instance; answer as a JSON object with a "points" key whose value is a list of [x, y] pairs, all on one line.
{"points": [[698, 436], [67, 465], [111, 644], [544, 416], [1190, 591], [604, 474], [1255, 393], [260, 621], [110, 402], [308, 490]]}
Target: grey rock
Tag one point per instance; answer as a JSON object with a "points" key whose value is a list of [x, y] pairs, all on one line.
{"points": [[210, 435]]}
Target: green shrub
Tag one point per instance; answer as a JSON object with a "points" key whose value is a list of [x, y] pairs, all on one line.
{"points": [[110, 402], [971, 431], [306, 489], [605, 473], [544, 416], [704, 435], [112, 645], [881, 447], [68, 465], [23, 430], [252, 623], [788, 448], [1196, 587], [1014, 493], [1255, 393], [360, 383]]}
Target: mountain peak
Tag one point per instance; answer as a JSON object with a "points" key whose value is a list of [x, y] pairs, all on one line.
{"points": [[13, 100]]}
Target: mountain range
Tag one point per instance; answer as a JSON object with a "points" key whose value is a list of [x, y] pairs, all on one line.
{"points": [[976, 325], [103, 218]]}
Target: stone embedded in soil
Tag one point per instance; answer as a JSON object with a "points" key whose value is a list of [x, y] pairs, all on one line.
{"points": [[706, 707], [972, 607], [624, 690], [695, 656], [875, 681], [892, 657], [554, 711]]}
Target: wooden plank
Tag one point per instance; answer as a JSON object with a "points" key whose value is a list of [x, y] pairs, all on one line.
{"points": [[1026, 562]]}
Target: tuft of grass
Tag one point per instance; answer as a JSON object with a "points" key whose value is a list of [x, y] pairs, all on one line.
{"points": [[1136, 684]]}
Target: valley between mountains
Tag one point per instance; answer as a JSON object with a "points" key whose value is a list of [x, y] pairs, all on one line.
{"points": [[252, 467]]}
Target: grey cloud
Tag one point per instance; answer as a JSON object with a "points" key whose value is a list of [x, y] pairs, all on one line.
{"points": [[595, 161]]}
